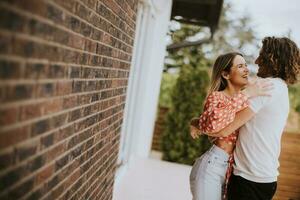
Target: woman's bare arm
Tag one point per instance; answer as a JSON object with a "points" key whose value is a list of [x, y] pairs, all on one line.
{"points": [[240, 119]]}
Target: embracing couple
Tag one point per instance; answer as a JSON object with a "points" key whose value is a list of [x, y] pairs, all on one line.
{"points": [[244, 120]]}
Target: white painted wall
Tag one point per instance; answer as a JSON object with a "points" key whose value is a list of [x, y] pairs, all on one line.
{"points": [[144, 81]]}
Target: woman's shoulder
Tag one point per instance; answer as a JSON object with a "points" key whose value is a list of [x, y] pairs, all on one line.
{"points": [[216, 96]]}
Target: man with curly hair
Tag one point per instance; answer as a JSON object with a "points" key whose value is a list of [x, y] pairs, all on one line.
{"points": [[258, 147]]}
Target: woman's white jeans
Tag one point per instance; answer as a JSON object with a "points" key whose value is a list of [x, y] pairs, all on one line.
{"points": [[208, 174]]}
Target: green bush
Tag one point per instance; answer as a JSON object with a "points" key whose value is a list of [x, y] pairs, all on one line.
{"points": [[187, 100], [167, 84], [294, 94]]}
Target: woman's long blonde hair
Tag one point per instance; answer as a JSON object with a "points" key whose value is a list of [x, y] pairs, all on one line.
{"points": [[218, 83], [223, 63]]}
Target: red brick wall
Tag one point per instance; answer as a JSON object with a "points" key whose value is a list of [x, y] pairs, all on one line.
{"points": [[159, 128], [64, 67]]}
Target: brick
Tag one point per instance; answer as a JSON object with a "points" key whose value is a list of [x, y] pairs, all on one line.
{"points": [[5, 44], [25, 48], [55, 193], [54, 14], [76, 42], [82, 11], [2, 93], [65, 172], [70, 56], [89, 73], [55, 152], [36, 163], [19, 92], [90, 3], [6, 159], [53, 182], [8, 116], [74, 115], [45, 90], [73, 141], [28, 49], [95, 97], [73, 179], [52, 106], [11, 177], [61, 162], [40, 29], [60, 36], [90, 45], [36, 6], [69, 5], [78, 86], [69, 102], [43, 175], [63, 87], [57, 71], [36, 71], [90, 86], [10, 70], [76, 152], [15, 22], [12, 137], [26, 150], [94, 60], [73, 23], [96, 35], [85, 29], [30, 111], [21, 190], [40, 127], [64, 133], [37, 194], [47, 141], [59, 120], [87, 111], [75, 72], [83, 58]]}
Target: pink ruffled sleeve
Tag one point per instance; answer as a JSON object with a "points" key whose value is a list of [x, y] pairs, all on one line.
{"points": [[219, 111]]}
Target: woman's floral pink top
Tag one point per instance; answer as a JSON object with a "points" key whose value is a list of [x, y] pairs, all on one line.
{"points": [[219, 112]]}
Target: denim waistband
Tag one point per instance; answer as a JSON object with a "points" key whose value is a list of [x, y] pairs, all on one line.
{"points": [[217, 151]]}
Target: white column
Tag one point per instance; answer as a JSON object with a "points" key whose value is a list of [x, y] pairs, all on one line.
{"points": [[151, 74], [144, 80]]}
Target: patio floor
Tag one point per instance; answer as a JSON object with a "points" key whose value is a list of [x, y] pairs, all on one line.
{"points": [[153, 179]]}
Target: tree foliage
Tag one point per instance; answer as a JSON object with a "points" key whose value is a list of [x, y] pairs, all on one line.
{"points": [[187, 101], [167, 84]]}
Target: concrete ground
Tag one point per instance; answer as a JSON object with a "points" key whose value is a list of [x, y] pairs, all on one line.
{"points": [[153, 179]]}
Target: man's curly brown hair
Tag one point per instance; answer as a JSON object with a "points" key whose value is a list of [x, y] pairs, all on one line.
{"points": [[280, 57]]}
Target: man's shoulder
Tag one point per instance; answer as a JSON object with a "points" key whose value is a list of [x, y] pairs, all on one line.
{"points": [[278, 91], [276, 81], [278, 85]]}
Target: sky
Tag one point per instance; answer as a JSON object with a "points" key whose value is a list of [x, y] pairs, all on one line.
{"points": [[271, 17]]}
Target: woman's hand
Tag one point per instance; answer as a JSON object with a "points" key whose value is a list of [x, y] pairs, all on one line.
{"points": [[194, 130], [258, 87]]}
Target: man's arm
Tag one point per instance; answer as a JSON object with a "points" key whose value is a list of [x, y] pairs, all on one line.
{"points": [[240, 119]]}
